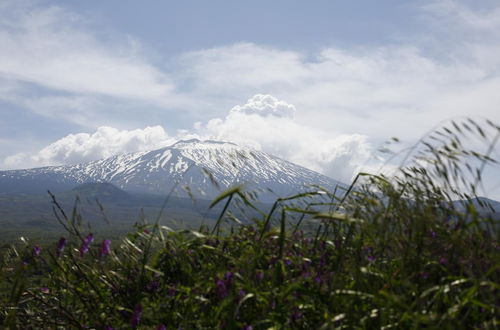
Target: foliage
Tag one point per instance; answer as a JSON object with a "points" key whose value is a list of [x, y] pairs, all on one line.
{"points": [[387, 253]]}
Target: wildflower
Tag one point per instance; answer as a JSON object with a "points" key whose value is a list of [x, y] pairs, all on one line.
{"points": [[241, 294], [37, 250], [105, 248], [370, 256], [60, 246], [228, 278], [84, 248], [45, 290], [136, 317], [171, 291], [259, 275], [296, 315], [152, 286], [161, 327], [221, 288], [443, 261], [248, 327]]}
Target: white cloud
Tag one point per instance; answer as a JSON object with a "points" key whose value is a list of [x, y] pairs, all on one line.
{"points": [[338, 156], [265, 105], [460, 16], [84, 147], [51, 47], [263, 122], [345, 98], [380, 92]]}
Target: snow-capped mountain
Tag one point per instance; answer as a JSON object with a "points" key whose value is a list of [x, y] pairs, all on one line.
{"points": [[193, 163]]}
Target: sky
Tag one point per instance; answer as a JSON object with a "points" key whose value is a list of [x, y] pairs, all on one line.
{"points": [[320, 83]]}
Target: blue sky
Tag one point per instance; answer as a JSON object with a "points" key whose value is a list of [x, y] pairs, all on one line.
{"points": [[320, 83]]}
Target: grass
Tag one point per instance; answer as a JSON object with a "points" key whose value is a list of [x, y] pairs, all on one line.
{"points": [[390, 252]]}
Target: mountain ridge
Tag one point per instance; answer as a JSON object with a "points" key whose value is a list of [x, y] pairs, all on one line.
{"points": [[194, 163]]}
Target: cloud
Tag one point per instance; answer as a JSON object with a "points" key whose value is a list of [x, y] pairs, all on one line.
{"points": [[380, 92], [56, 49], [85, 147], [56, 64], [263, 123], [265, 105], [338, 156], [462, 17], [339, 101]]}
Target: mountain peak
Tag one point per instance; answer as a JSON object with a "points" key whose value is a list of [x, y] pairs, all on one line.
{"points": [[198, 142], [206, 167]]}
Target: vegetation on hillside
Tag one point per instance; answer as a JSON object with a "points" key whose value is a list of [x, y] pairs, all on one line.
{"points": [[390, 252]]}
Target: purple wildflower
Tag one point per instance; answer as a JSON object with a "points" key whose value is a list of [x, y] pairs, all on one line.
{"points": [[241, 294], [161, 327], [60, 246], [443, 261], [37, 250], [288, 262], [273, 260], [228, 278], [105, 248], [171, 291], [136, 317], [370, 256], [152, 286], [296, 315], [221, 288], [259, 275], [45, 290], [84, 248], [248, 327]]}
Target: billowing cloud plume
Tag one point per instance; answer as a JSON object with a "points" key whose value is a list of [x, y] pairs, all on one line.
{"points": [[265, 105], [336, 155]]}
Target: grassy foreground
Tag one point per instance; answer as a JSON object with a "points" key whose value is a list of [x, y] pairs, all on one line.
{"points": [[388, 253]]}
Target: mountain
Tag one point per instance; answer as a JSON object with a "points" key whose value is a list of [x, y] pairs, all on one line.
{"points": [[104, 192], [206, 167], [483, 205]]}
